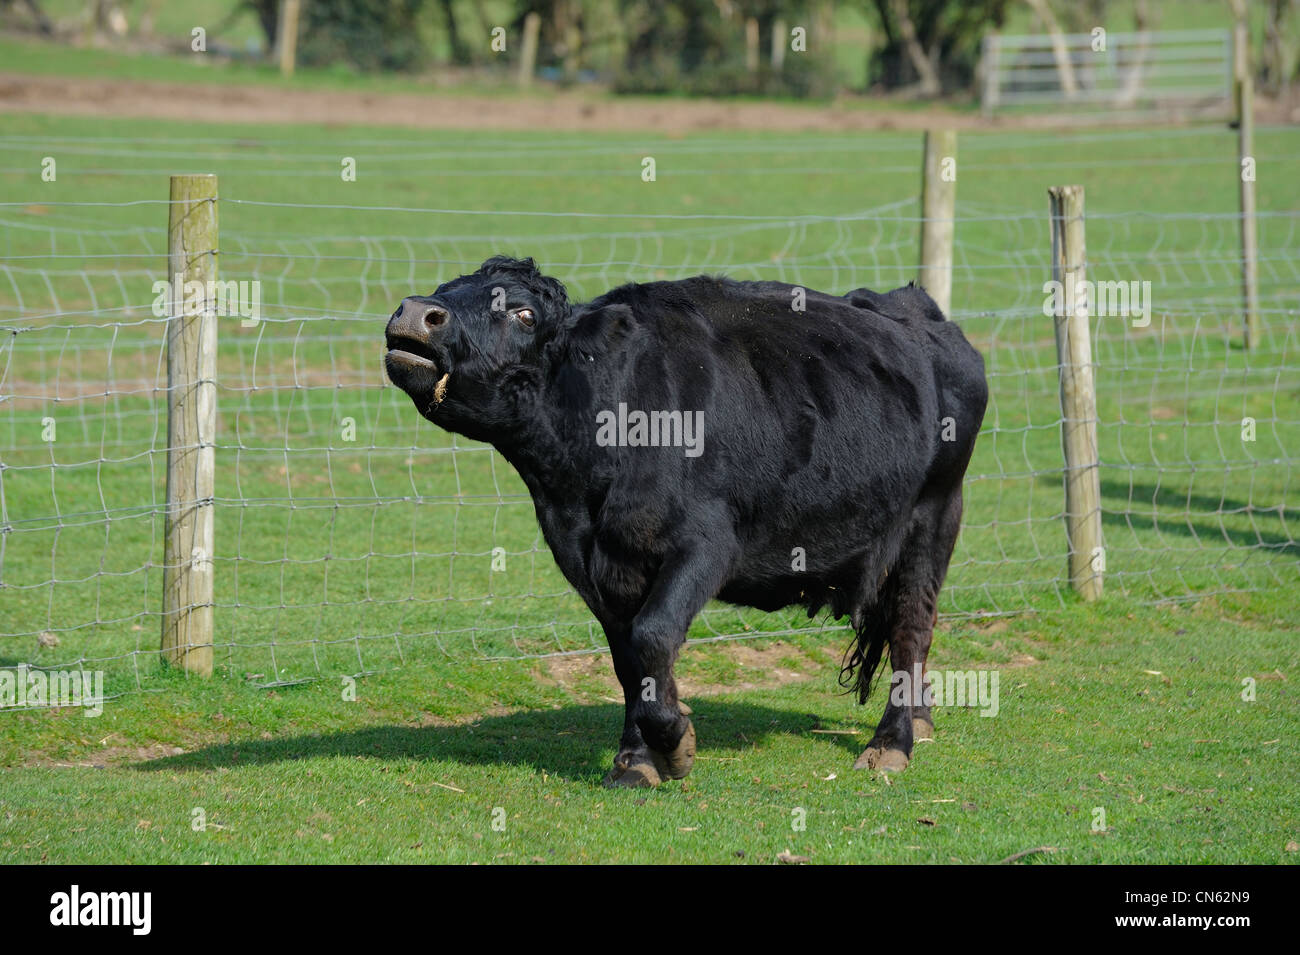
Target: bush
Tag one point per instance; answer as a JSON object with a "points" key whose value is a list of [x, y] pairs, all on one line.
{"points": [[689, 47], [371, 35]]}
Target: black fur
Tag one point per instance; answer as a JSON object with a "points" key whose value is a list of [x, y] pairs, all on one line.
{"points": [[822, 431]]}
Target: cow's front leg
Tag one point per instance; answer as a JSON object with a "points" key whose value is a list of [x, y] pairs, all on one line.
{"points": [[634, 766], [658, 737], [637, 765]]}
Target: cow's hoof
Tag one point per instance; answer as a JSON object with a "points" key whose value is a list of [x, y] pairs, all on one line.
{"points": [[885, 760], [640, 775], [678, 763], [922, 730]]}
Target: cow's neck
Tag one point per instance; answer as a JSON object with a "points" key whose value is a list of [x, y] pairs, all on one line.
{"points": [[550, 443]]}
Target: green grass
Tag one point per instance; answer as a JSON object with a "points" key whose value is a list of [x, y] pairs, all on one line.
{"points": [[338, 557], [1184, 769]]}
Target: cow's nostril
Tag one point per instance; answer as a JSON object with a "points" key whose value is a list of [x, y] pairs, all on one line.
{"points": [[436, 316]]}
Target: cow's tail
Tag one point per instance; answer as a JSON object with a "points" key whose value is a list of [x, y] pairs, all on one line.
{"points": [[870, 638]]}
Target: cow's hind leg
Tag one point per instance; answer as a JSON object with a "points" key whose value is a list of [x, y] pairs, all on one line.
{"points": [[909, 604]]}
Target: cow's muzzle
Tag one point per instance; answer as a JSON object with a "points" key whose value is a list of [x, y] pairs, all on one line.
{"points": [[415, 332], [417, 359]]}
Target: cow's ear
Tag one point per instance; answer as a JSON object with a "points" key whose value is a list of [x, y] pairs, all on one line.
{"points": [[588, 338], [599, 330]]}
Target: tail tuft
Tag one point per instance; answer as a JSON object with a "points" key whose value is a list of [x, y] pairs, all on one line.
{"points": [[864, 653]]}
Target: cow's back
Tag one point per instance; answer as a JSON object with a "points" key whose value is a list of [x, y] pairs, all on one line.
{"points": [[811, 417]]}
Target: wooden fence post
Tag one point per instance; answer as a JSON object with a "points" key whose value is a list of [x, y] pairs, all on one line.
{"points": [[1087, 558], [938, 207], [286, 35], [528, 52], [191, 423], [1244, 99]]}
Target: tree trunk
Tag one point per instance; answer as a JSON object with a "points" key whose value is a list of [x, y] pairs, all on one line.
{"points": [[1279, 52], [1064, 67], [148, 15], [1133, 79], [459, 55], [929, 79], [268, 17]]}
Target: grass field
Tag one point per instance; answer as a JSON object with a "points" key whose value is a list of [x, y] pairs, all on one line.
{"points": [[1133, 711], [339, 557]]}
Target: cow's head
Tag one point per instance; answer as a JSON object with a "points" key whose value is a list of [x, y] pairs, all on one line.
{"points": [[456, 351]]}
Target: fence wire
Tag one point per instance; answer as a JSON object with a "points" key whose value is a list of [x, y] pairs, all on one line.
{"points": [[353, 536]]}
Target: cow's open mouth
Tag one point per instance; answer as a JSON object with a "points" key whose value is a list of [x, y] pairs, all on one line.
{"points": [[412, 353], [409, 351]]}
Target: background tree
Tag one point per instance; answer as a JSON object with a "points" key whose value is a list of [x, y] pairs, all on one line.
{"points": [[1279, 60], [930, 45], [370, 35], [43, 22], [719, 47]]}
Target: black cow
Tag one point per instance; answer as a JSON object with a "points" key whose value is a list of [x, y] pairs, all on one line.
{"points": [[757, 442]]}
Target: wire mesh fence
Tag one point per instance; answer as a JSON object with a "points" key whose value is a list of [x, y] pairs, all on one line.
{"points": [[353, 536]]}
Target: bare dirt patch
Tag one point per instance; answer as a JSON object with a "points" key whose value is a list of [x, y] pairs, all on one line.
{"points": [[576, 672], [764, 666], [758, 667], [437, 109], [108, 756], [83, 96]]}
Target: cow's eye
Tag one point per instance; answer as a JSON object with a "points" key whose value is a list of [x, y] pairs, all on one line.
{"points": [[525, 317]]}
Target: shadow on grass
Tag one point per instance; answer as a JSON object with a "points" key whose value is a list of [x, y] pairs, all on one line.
{"points": [[1171, 509], [1198, 516], [576, 741]]}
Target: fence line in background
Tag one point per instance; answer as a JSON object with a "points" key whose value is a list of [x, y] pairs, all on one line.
{"points": [[288, 384], [1165, 68]]}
